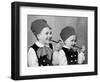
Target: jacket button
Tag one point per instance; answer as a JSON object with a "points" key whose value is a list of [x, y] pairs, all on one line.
{"points": [[75, 60], [75, 55], [43, 60], [71, 60], [71, 55]]}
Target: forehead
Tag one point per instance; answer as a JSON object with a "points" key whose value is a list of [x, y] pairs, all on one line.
{"points": [[72, 37], [46, 29]]}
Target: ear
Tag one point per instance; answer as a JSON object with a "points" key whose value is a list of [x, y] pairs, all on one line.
{"points": [[38, 36]]}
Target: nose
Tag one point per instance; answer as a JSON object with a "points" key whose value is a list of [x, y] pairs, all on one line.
{"points": [[74, 43], [50, 35]]}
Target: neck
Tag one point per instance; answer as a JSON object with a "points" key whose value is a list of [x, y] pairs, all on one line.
{"points": [[41, 42]]}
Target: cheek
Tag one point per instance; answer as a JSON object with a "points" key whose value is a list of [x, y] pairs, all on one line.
{"points": [[42, 37], [71, 43], [45, 37], [68, 43]]}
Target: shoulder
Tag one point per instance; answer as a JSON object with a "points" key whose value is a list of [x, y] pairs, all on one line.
{"points": [[63, 48], [34, 47], [66, 50], [61, 52], [31, 50], [32, 53]]}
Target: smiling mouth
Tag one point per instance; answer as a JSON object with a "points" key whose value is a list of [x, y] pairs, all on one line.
{"points": [[49, 39]]}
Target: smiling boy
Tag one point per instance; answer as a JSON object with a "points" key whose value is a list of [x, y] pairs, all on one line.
{"points": [[68, 55], [40, 53]]}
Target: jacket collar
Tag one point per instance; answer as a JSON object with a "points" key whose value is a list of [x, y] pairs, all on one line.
{"points": [[66, 47], [40, 44]]}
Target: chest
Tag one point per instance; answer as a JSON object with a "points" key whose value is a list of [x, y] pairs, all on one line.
{"points": [[44, 55], [72, 56]]}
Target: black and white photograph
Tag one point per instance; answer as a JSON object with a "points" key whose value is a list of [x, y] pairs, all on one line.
{"points": [[53, 40], [57, 40]]}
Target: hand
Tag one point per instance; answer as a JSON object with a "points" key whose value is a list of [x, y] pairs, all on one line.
{"points": [[83, 49], [58, 46], [81, 58]]}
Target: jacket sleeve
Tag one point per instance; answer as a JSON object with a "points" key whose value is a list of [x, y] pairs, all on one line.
{"points": [[59, 58], [62, 58], [32, 58], [81, 58]]}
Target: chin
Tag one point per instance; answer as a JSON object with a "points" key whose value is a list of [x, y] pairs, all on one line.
{"points": [[47, 42], [71, 46]]}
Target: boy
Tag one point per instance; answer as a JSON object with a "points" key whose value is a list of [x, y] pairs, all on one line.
{"points": [[40, 53], [68, 54]]}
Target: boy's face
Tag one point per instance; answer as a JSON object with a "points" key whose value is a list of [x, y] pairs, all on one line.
{"points": [[71, 41], [45, 35]]}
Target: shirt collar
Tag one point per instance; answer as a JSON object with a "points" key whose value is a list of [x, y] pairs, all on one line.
{"points": [[66, 47], [39, 44]]}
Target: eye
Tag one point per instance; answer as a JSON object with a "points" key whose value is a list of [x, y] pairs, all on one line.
{"points": [[50, 33], [72, 40], [46, 33], [75, 40]]}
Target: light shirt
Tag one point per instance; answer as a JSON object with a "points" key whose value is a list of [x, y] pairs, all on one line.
{"points": [[59, 57], [32, 57]]}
